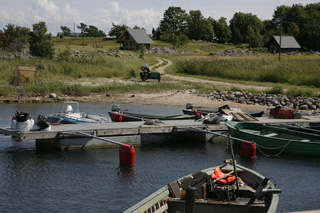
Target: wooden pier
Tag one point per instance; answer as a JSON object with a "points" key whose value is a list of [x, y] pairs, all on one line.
{"points": [[67, 136]]}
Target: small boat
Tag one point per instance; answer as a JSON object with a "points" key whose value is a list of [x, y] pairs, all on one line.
{"points": [[208, 193], [276, 138], [70, 114], [119, 115], [192, 110], [295, 127]]}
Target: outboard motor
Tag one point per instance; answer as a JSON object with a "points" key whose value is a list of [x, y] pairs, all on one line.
{"points": [[190, 106], [43, 122], [115, 108]]}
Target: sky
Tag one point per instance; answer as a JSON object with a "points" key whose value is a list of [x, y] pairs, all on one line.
{"points": [[143, 13]]}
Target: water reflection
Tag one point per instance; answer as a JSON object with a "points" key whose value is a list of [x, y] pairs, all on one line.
{"points": [[126, 172]]}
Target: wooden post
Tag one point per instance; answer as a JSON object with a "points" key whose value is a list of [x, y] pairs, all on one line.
{"points": [[233, 162], [190, 200]]}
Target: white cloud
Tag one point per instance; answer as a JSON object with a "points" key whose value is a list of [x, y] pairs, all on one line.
{"points": [[115, 6], [58, 13], [146, 18], [69, 15], [44, 10]]}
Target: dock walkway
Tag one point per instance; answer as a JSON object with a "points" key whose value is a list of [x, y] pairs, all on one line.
{"points": [[69, 135], [111, 129]]}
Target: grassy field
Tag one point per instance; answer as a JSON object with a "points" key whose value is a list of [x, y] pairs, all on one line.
{"points": [[299, 75]]}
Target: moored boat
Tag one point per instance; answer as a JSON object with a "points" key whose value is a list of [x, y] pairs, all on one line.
{"points": [[192, 110], [276, 138], [119, 115], [210, 193], [71, 114]]}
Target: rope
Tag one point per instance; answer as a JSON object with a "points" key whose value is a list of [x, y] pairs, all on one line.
{"points": [[275, 155], [274, 147]]}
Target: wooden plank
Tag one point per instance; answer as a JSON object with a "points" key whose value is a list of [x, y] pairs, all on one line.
{"points": [[236, 116], [162, 209], [174, 189]]}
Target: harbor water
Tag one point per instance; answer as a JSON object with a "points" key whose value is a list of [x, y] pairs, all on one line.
{"points": [[93, 181]]}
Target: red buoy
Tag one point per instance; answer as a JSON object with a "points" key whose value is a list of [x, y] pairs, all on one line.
{"points": [[127, 154], [248, 149], [116, 117]]}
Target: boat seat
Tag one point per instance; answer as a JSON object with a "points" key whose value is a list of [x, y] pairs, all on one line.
{"points": [[270, 135], [251, 131]]}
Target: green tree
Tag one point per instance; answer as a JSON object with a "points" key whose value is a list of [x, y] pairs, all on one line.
{"points": [[221, 30], [236, 37], [83, 28], [175, 40], [93, 31], [41, 44], [247, 25], [303, 22], [65, 30], [293, 30], [199, 28], [14, 38], [268, 31], [174, 21], [117, 30]]}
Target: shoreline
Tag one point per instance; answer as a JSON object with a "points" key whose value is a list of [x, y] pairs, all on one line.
{"points": [[171, 98]]}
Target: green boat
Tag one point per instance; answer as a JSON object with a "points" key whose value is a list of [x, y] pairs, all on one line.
{"points": [[272, 137], [255, 194]]}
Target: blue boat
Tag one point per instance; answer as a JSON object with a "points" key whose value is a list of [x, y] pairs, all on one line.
{"points": [[70, 114]]}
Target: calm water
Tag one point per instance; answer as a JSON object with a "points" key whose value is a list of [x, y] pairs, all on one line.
{"points": [[92, 181]]}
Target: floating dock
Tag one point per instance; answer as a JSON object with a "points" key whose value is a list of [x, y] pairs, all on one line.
{"points": [[65, 136], [68, 136]]}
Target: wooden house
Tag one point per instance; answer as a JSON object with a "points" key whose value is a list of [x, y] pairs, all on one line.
{"points": [[288, 44], [131, 39]]}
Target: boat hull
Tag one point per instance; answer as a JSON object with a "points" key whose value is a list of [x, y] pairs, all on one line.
{"points": [[157, 201], [125, 117], [277, 139]]}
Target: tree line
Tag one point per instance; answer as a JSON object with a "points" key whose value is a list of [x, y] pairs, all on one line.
{"points": [[178, 26], [302, 22]]}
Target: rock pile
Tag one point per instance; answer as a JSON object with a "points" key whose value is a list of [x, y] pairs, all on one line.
{"points": [[232, 52], [168, 51], [297, 103]]}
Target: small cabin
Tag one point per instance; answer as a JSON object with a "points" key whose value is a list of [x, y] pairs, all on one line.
{"points": [[288, 44], [131, 39]]}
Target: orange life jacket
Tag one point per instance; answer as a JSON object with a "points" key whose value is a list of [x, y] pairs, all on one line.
{"points": [[218, 173]]}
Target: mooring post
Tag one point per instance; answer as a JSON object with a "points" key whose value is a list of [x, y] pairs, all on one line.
{"points": [[190, 199]]}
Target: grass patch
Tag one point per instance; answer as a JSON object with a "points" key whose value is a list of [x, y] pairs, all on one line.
{"points": [[7, 90], [275, 90], [305, 92], [305, 71], [113, 88]]}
